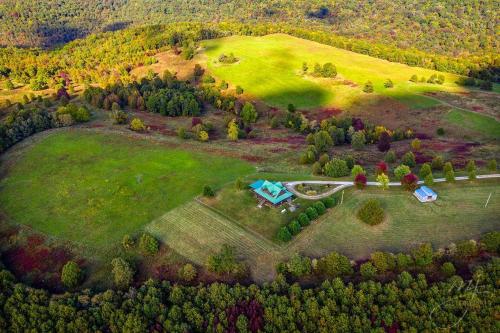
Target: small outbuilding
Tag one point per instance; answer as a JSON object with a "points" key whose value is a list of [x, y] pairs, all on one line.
{"points": [[425, 194], [273, 193]]}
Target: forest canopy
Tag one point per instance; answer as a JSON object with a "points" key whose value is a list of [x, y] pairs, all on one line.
{"points": [[446, 27]]}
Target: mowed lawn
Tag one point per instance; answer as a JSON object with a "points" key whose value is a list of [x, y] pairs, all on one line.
{"points": [[270, 67], [475, 121], [94, 188], [459, 213]]}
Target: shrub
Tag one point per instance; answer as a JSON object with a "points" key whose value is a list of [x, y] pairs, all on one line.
{"points": [[275, 122], [323, 159], [491, 241], [358, 140], [367, 270], [239, 184], [349, 160], [203, 136], [329, 202], [336, 168], [383, 261], [187, 272], [356, 170], [437, 163], [208, 191], [383, 180], [148, 244], [440, 131], [414, 78], [368, 87], [311, 213], [390, 157], [492, 165], [122, 273], [81, 115], [239, 90], [71, 274], [294, 227], [416, 144], [410, 182], [316, 168], [371, 212], [335, 265], [248, 113], [119, 117], [224, 262], [304, 220], [401, 171], [388, 83], [423, 254], [127, 242], [472, 174], [360, 181], [471, 166], [403, 261], [284, 234], [409, 159], [429, 180], [137, 125], [449, 174], [384, 142], [382, 167], [425, 170], [208, 79], [466, 249], [319, 207], [182, 133], [448, 269], [299, 266]]}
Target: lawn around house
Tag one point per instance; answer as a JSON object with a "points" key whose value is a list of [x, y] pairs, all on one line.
{"points": [[94, 188], [270, 68], [457, 214]]}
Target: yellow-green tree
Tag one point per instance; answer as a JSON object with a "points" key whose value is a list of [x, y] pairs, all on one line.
{"points": [[232, 130]]}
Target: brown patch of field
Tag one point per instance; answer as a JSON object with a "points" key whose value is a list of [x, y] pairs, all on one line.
{"points": [[167, 60]]}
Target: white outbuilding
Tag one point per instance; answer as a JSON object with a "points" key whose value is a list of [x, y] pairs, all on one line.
{"points": [[425, 194]]}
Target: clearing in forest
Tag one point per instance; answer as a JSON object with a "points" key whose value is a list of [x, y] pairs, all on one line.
{"points": [[270, 68]]}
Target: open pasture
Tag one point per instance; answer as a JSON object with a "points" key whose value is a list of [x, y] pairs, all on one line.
{"points": [[94, 188], [270, 68]]}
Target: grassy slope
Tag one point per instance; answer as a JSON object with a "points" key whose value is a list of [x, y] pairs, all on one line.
{"points": [[270, 69], [475, 121], [95, 188], [458, 213]]}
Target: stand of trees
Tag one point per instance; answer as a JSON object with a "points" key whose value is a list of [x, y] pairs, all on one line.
{"points": [[409, 303]]}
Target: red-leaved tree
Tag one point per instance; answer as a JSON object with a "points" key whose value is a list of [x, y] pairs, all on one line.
{"points": [[360, 181], [382, 168], [409, 182]]}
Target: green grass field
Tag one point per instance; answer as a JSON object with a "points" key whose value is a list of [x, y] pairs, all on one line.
{"points": [[94, 188], [475, 121], [458, 214], [269, 68]]}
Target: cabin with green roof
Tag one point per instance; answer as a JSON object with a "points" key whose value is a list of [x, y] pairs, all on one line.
{"points": [[274, 193]]}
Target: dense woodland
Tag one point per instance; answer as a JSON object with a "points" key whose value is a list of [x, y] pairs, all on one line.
{"points": [[409, 303], [446, 27]]}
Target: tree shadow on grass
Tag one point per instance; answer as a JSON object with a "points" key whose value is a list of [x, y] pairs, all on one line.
{"points": [[301, 98]]}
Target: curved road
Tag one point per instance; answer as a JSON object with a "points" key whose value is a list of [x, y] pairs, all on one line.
{"points": [[345, 184]]}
